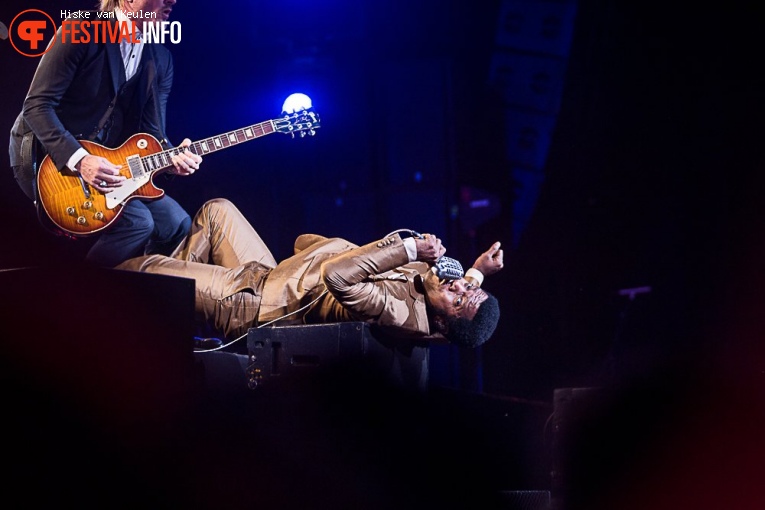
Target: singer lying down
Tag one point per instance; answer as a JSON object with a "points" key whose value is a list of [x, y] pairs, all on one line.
{"points": [[404, 286]]}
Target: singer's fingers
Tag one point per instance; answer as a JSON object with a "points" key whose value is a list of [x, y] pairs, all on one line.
{"points": [[494, 247]]}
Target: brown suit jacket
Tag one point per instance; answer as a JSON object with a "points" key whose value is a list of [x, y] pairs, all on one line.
{"points": [[372, 283]]}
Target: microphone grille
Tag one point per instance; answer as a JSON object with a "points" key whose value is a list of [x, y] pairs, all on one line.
{"points": [[449, 269]]}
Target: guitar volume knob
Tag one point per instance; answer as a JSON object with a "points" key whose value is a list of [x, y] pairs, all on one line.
{"points": [[87, 204], [70, 211], [99, 215], [81, 220]]}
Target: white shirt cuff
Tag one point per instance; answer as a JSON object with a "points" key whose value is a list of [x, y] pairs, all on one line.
{"points": [[411, 248], [76, 158], [475, 274]]}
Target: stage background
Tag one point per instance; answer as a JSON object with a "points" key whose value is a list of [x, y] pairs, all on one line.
{"points": [[642, 128]]}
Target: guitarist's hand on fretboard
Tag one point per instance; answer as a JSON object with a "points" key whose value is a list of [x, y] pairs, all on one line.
{"points": [[186, 162], [81, 210], [100, 173]]}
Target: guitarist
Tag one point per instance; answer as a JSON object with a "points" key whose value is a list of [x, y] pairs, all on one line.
{"points": [[105, 92]]}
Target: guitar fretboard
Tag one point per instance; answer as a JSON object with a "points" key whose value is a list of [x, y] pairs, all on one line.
{"points": [[161, 160]]}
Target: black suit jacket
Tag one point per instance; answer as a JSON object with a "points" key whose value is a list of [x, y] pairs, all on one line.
{"points": [[73, 87]]}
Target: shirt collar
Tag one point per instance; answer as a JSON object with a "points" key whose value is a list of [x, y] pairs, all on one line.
{"points": [[122, 17]]}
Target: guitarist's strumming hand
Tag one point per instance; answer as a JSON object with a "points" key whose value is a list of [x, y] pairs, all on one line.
{"points": [[100, 173], [186, 162]]}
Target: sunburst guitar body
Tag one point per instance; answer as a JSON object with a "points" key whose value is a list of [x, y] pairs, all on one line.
{"points": [[79, 209]]}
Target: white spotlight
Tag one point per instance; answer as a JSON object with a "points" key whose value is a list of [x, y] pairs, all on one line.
{"points": [[296, 102]]}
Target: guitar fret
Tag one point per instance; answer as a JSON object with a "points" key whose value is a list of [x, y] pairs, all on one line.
{"points": [[163, 159], [81, 220]]}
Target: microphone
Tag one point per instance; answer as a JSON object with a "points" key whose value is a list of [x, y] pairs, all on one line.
{"points": [[445, 268]]}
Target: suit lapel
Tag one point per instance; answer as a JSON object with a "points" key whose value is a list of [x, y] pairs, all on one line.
{"points": [[148, 65], [116, 66]]}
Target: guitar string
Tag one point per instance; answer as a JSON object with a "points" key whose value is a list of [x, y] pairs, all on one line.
{"points": [[225, 136]]}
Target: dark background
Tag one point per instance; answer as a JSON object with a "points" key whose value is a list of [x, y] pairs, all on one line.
{"points": [[646, 170]]}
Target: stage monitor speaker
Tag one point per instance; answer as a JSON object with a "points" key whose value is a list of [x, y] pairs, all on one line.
{"points": [[223, 371], [288, 351], [96, 379], [116, 340]]}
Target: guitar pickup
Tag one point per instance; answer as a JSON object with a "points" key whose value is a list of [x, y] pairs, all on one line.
{"points": [[136, 166]]}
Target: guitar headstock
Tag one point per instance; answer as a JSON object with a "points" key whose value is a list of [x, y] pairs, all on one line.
{"points": [[304, 122]]}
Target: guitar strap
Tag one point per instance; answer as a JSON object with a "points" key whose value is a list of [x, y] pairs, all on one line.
{"points": [[30, 141], [29, 167], [105, 118], [28, 152], [28, 155]]}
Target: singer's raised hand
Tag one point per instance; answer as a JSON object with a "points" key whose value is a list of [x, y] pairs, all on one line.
{"points": [[490, 261], [429, 248]]}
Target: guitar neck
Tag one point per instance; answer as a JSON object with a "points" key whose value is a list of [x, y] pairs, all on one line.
{"points": [[161, 160]]}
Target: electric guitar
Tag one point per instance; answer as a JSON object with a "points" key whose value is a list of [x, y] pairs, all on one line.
{"points": [[80, 210]]}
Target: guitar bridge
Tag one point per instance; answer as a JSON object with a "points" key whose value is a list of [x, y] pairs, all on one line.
{"points": [[135, 166], [139, 176]]}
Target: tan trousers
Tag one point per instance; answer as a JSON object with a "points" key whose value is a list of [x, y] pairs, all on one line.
{"points": [[228, 262]]}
